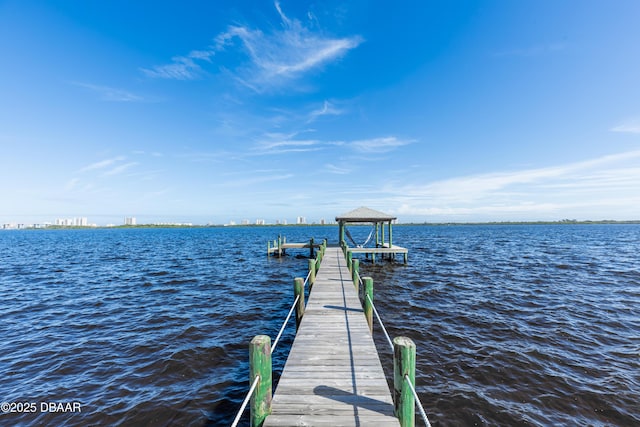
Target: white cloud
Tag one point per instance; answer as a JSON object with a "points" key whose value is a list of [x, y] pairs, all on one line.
{"points": [[379, 145], [120, 168], [274, 57], [331, 168], [534, 50], [596, 185], [629, 126], [111, 94], [327, 109], [276, 145], [182, 67], [102, 164]]}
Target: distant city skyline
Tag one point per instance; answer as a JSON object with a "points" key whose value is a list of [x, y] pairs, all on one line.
{"points": [[225, 111]]}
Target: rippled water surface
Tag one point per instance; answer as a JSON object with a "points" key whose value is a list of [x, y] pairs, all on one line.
{"points": [[514, 325]]}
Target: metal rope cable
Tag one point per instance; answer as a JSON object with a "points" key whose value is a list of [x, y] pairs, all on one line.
{"points": [[293, 307], [415, 395], [246, 401]]}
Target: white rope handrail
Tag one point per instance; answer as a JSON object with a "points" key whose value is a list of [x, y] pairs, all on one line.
{"points": [[246, 401], [381, 324], [307, 279], [417, 400], [293, 307]]}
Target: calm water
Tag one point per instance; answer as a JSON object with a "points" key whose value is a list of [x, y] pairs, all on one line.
{"points": [[514, 325]]}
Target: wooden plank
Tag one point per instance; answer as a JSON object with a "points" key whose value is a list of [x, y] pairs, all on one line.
{"points": [[333, 376]]}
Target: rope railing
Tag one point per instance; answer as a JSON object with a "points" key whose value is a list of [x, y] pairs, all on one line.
{"points": [[375, 311], [246, 401], [284, 324], [420, 408], [406, 377], [307, 278], [273, 347]]}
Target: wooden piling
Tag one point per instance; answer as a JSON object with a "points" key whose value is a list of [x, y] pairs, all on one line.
{"points": [[354, 274], [298, 290], [311, 248], [312, 272], [260, 366], [368, 302], [349, 260], [404, 363]]}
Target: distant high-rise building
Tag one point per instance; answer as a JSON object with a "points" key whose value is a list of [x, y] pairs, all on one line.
{"points": [[260, 222], [301, 220], [130, 220]]}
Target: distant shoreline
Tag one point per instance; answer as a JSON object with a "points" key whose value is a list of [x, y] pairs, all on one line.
{"points": [[404, 224]]}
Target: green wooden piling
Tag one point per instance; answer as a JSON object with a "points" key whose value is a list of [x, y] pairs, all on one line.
{"points": [[279, 246], [312, 272], [406, 255], [260, 365], [311, 248], [349, 259], [368, 302], [268, 247], [404, 363], [298, 289], [354, 275]]}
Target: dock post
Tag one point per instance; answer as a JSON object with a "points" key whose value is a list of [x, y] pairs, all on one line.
{"points": [[260, 365], [311, 248], [405, 257], [368, 302], [349, 259], [268, 247], [404, 363], [279, 246], [354, 275], [312, 272], [298, 289]]}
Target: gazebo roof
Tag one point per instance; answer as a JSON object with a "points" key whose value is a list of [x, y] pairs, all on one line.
{"points": [[364, 214]]}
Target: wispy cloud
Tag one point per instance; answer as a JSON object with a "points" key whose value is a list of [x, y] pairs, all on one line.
{"points": [[379, 145], [595, 182], [120, 169], [628, 126], [535, 50], [111, 94], [102, 164], [182, 67], [273, 57], [327, 109], [331, 168], [286, 146]]}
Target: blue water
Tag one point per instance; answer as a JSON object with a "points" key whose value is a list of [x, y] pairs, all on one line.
{"points": [[514, 325]]}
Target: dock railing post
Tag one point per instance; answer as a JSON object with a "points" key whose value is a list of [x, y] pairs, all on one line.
{"points": [[279, 246], [312, 272], [311, 248], [368, 302], [260, 365], [404, 364], [349, 259], [354, 275], [298, 290]]}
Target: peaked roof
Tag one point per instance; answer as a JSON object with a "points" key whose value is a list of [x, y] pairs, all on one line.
{"points": [[364, 214]]}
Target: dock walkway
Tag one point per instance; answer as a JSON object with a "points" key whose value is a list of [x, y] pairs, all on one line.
{"points": [[333, 375]]}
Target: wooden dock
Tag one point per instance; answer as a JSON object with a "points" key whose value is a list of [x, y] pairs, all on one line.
{"points": [[333, 375]]}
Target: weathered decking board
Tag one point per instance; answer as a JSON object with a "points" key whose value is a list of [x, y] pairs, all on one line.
{"points": [[333, 376]]}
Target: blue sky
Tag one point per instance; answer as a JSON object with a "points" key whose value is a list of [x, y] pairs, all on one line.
{"points": [[216, 111]]}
